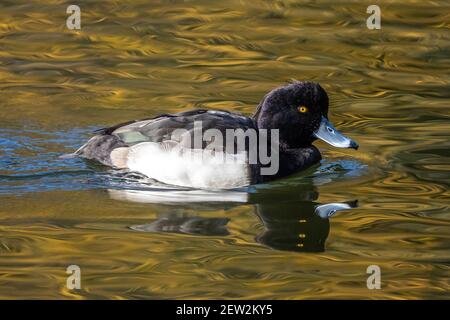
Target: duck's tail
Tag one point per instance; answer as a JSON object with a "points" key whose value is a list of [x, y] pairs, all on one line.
{"points": [[76, 153], [98, 148]]}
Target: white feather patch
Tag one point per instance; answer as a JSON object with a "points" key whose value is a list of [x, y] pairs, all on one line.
{"points": [[186, 167]]}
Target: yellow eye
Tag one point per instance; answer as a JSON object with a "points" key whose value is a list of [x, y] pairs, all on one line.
{"points": [[303, 109]]}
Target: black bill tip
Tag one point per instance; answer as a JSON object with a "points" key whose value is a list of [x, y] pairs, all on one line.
{"points": [[353, 204], [354, 145]]}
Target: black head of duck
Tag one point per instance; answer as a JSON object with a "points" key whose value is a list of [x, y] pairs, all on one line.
{"points": [[300, 112]]}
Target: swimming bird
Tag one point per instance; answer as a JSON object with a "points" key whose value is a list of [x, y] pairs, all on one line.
{"points": [[196, 149]]}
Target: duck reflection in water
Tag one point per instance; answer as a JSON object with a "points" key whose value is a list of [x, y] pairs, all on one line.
{"points": [[292, 220]]}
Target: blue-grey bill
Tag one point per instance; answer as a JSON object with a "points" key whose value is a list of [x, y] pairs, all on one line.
{"points": [[328, 133]]}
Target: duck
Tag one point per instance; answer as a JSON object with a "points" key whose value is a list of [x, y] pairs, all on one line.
{"points": [[219, 149]]}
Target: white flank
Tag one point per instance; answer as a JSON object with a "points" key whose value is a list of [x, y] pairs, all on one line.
{"points": [[185, 167]]}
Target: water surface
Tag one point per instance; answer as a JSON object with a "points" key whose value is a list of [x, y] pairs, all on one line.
{"points": [[389, 90]]}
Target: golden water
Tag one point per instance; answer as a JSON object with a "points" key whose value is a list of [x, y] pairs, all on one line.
{"points": [[389, 90]]}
